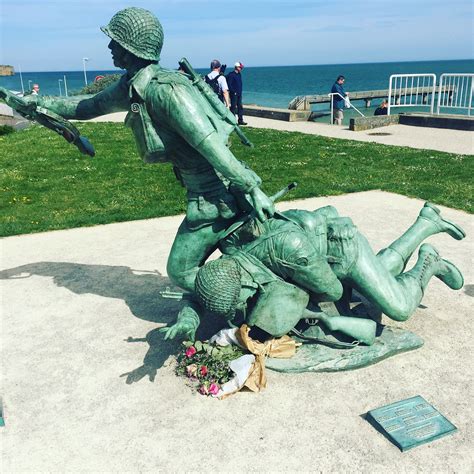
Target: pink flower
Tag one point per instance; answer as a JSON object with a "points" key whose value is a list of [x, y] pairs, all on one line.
{"points": [[213, 389], [191, 370], [190, 351], [203, 390], [203, 370]]}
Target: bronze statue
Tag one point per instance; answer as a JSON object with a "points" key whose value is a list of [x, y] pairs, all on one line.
{"points": [[272, 273], [277, 270], [173, 121]]}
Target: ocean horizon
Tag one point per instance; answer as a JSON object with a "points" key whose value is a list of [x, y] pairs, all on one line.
{"points": [[270, 86], [115, 70]]}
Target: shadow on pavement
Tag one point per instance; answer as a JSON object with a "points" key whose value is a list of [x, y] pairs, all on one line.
{"points": [[140, 291]]}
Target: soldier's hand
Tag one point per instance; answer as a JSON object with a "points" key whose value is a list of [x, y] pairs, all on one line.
{"points": [[179, 329], [262, 204], [342, 228]]}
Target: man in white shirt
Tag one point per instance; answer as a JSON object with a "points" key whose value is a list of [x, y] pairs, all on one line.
{"points": [[218, 82]]}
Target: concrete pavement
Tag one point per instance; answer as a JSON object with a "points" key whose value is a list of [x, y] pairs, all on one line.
{"points": [[452, 141], [88, 383]]}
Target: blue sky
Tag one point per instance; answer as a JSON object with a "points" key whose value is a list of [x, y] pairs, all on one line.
{"points": [[50, 35]]}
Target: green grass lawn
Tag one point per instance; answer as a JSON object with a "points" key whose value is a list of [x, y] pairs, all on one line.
{"points": [[47, 184]]}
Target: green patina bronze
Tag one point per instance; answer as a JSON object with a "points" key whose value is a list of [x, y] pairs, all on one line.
{"points": [[323, 358], [173, 121], [279, 271], [279, 277], [49, 120], [409, 423], [138, 31]]}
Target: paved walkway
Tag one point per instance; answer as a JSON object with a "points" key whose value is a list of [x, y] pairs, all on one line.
{"points": [[453, 141], [88, 384]]}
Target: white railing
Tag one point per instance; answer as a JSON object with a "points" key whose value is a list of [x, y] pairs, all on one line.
{"points": [[412, 90], [455, 92], [347, 104]]}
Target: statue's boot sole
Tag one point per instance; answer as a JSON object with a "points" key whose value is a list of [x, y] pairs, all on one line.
{"points": [[433, 214], [443, 269], [451, 275]]}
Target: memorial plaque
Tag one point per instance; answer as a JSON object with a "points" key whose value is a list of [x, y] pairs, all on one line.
{"points": [[411, 422]]}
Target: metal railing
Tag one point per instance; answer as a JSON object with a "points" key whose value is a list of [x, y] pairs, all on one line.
{"points": [[455, 92], [347, 102], [412, 90]]}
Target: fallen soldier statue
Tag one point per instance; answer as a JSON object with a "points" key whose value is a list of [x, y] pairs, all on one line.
{"points": [[274, 275]]}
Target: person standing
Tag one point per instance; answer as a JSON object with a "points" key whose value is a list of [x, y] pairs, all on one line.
{"points": [[35, 90], [338, 100], [234, 81], [218, 82]]}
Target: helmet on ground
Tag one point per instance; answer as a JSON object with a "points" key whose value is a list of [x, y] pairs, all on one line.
{"points": [[138, 31], [217, 286]]}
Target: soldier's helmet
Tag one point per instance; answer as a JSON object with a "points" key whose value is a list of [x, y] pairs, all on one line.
{"points": [[138, 31], [218, 285]]}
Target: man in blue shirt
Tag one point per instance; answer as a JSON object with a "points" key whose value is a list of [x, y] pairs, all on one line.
{"points": [[234, 81], [338, 101]]}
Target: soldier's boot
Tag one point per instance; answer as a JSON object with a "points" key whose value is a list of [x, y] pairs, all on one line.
{"points": [[432, 215], [429, 222], [412, 284], [431, 264]]}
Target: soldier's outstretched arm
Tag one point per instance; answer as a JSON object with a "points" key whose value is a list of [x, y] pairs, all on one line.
{"points": [[112, 99]]}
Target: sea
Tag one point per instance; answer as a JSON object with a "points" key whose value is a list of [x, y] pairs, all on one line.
{"points": [[271, 86]]}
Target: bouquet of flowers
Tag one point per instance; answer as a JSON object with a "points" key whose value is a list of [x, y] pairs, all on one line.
{"points": [[206, 365]]}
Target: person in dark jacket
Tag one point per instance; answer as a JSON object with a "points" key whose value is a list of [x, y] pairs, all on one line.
{"points": [[338, 101], [234, 81], [382, 108]]}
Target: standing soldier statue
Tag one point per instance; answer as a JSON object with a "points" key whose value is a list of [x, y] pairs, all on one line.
{"points": [[173, 121]]}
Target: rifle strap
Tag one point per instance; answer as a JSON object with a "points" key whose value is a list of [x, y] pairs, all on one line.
{"points": [[325, 342]]}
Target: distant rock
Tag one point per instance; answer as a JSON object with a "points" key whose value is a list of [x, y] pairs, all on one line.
{"points": [[6, 70]]}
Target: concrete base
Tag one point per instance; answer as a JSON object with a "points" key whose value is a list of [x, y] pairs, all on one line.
{"points": [[88, 383], [358, 124], [454, 122], [321, 358], [286, 115], [11, 118]]}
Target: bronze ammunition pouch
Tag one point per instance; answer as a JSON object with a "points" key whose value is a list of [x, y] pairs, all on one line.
{"points": [[149, 144]]}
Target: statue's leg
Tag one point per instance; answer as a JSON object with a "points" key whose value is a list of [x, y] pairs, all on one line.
{"points": [[398, 296], [191, 248], [429, 222]]}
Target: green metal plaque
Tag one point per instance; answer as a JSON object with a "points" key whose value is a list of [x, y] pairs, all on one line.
{"points": [[411, 422]]}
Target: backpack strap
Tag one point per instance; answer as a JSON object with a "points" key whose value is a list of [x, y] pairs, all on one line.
{"points": [[214, 83]]}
